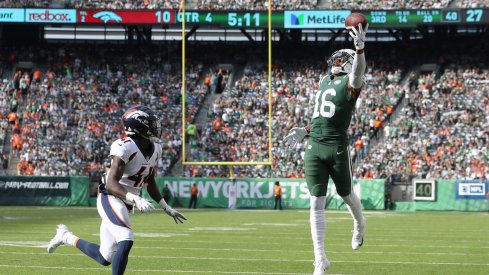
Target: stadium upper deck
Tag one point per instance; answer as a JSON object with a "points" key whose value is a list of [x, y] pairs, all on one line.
{"points": [[245, 4]]}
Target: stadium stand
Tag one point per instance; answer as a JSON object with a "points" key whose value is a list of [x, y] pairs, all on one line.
{"points": [[375, 4], [244, 4], [256, 4], [238, 120], [70, 115], [442, 132]]}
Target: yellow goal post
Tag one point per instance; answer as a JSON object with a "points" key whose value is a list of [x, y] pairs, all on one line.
{"points": [[228, 163]]}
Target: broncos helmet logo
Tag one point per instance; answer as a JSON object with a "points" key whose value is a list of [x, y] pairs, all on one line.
{"points": [[107, 16], [138, 115]]}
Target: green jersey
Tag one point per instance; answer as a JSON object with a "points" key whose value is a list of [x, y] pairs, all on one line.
{"points": [[332, 111]]}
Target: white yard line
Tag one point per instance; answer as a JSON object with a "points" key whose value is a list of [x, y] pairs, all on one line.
{"points": [[156, 270], [263, 260]]}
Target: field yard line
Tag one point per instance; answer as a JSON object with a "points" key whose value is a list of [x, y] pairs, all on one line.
{"points": [[152, 270], [254, 259], [306, 251], [413, 263], [307, 244]]}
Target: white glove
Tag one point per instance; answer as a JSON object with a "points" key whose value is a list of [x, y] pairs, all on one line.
{"points": [[296, 135], [359, 36], [142, 204], [172, 212]]}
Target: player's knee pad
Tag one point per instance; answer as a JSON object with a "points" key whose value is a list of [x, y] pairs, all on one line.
{"points": [[318, 203]]}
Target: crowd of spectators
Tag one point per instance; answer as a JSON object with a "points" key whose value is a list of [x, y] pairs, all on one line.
{"points": [[442, 132], [256, 5], [244, 4], [466, 4], [124, 4], [387, 4], [64, 116], [71, 111], [238, 121], [25, 3]]}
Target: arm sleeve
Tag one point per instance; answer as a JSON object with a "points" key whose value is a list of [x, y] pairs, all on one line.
{"points": [[358, 69]]}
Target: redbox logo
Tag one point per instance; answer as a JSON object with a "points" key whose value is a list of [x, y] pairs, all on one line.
{"points": [[51, 15]]}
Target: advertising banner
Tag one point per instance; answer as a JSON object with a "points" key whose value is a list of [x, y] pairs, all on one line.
{"points": [[23, 190], [50, 16], [12, 15], [259, 193], [126, 16], [326, 19], [448, 197], [471, 189]]}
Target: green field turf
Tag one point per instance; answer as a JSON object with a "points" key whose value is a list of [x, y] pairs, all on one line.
{"points": [[252, 242]]}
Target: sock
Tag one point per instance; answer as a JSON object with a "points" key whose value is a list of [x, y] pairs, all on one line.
{"points": [[355, 207], [70, 239], [92, 251], [317, 219], [119, 261]]}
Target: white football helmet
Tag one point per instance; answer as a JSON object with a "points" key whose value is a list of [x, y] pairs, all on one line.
{"points": [[341, 61]]}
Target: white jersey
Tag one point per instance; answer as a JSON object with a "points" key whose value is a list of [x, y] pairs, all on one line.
{"points": [[138, 167]]}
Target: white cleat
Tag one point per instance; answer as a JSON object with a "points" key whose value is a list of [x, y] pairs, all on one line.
{"points": [[321, 266], [358, 235], [60, 238]]}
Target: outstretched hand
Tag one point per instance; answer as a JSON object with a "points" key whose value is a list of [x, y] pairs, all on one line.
{"points": [[359, 36], [296, 135]]}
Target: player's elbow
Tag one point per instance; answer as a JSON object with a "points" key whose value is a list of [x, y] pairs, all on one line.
{"points": [[355, 81]]}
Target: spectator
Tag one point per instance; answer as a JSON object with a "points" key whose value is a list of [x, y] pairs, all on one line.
{"points": [[194, 191], [278, 196]]}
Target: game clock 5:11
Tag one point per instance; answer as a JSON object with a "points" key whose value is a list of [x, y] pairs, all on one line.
{"points": [[243, 20]]}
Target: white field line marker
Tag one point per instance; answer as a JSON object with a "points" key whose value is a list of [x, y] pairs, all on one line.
{"points": [[263, 260], [155, 270]]}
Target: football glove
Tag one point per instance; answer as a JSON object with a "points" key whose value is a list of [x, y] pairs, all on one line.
{"points": [[172, 212], [296, 135], [142, 204], [359, 36]]}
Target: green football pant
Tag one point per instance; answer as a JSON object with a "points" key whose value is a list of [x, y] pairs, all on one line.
{"points": [[321, 162]]}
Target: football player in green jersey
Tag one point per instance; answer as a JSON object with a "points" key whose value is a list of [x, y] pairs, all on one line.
{"points": [[327, 154]]}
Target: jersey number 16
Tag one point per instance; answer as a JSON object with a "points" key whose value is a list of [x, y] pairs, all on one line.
{"points": [[323, 107]]}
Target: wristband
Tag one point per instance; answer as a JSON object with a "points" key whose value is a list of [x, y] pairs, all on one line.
{"points": [[163, 204]]}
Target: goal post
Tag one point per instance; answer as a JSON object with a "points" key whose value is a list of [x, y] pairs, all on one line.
{"points": [[184, 90]]}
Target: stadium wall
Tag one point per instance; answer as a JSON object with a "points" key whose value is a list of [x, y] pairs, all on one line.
{"points": [[59, 191], [216, 193]]}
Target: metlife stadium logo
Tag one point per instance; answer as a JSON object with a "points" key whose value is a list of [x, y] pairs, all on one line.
{"points": [[315, 19], [50, 16]]}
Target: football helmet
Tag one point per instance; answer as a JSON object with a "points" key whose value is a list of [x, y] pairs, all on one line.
{"points": [[341, 61], [141, 121]]}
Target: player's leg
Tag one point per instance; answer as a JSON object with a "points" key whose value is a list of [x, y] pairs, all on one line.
{"points": [[342, 177], [317, 181], [116, 236], [65, 236], [121, 256]]}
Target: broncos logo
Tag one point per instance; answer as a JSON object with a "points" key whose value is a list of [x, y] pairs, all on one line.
{"points": [[138, 115], [107, 16]]}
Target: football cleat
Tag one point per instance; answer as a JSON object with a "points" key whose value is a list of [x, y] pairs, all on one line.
{"points": [[60, 238], [358, 235], [321, 266]]}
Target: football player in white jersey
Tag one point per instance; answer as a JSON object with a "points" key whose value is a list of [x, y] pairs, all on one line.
{"points": [[133, 163]]}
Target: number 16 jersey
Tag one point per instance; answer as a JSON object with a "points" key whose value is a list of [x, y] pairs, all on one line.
{"points": [[332, 111]]}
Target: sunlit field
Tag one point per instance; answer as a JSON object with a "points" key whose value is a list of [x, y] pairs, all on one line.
{"points": [[251, 242]]}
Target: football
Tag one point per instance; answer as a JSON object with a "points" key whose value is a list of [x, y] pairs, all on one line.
{"points": [[354, 19]]}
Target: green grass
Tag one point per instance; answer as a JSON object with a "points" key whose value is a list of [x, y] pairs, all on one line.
{"points": [[251, 242]]}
